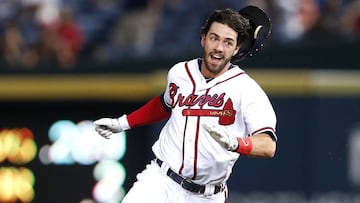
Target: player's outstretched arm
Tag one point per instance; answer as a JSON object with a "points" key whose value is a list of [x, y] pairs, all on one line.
{"points": [[259, 145], [152, 111]]}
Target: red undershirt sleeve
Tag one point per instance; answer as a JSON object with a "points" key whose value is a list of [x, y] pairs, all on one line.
{"points": [[153, 111]]}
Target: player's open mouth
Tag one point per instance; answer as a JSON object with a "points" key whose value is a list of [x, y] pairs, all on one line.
{"points": [[216, 58]]}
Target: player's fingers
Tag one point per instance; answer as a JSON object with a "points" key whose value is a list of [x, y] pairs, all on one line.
{"points": [[213, 131], [208, 128], [224, 139], [99, 128], [104, 132], [106, 137]]}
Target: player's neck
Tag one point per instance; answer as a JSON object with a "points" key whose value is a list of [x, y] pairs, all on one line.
{"points": [[207, 74]]}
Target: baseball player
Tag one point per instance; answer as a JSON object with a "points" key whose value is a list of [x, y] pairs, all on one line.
{"points": [[216, 113]]}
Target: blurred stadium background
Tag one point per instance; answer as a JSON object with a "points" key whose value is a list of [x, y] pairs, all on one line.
{"points": [[64, 63]]}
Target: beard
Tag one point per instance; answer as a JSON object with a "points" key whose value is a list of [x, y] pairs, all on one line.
{"points": [[215, 68]]}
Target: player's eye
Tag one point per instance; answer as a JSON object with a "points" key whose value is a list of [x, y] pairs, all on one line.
{"points": [[228, 43], [213, 38]]}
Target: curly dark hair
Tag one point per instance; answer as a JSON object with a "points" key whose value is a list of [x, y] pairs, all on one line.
{"points": [[231, 18]]}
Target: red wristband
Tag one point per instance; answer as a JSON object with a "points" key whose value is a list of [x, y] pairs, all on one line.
{"points": [[245, 146]]}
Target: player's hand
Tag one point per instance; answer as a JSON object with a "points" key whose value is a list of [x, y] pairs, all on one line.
{"points": [[109, 126], [227, 141]]}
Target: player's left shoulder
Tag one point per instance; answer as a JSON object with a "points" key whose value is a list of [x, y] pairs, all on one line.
{"points": [[248, 80], [236, 71], [244, 73]]}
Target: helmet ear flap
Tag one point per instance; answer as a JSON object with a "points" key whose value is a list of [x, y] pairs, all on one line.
{"points": [[260, 30]]}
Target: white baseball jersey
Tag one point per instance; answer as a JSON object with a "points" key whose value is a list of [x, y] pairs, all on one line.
{"points": [[233, 101]]}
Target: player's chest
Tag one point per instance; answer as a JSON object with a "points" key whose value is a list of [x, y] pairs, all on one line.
{"points": [[213, 96]]}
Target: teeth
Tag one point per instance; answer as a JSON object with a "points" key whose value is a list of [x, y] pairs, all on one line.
{"points": [[216, 56]]}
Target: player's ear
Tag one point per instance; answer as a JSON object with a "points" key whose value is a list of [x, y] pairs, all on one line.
{"points": [[237, 49], [202, 40]]}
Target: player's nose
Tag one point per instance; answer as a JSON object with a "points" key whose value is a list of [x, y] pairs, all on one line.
{"points": [[219, 47]]}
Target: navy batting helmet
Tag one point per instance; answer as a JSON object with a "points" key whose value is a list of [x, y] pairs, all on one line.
{"points": [[260, 30]]}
